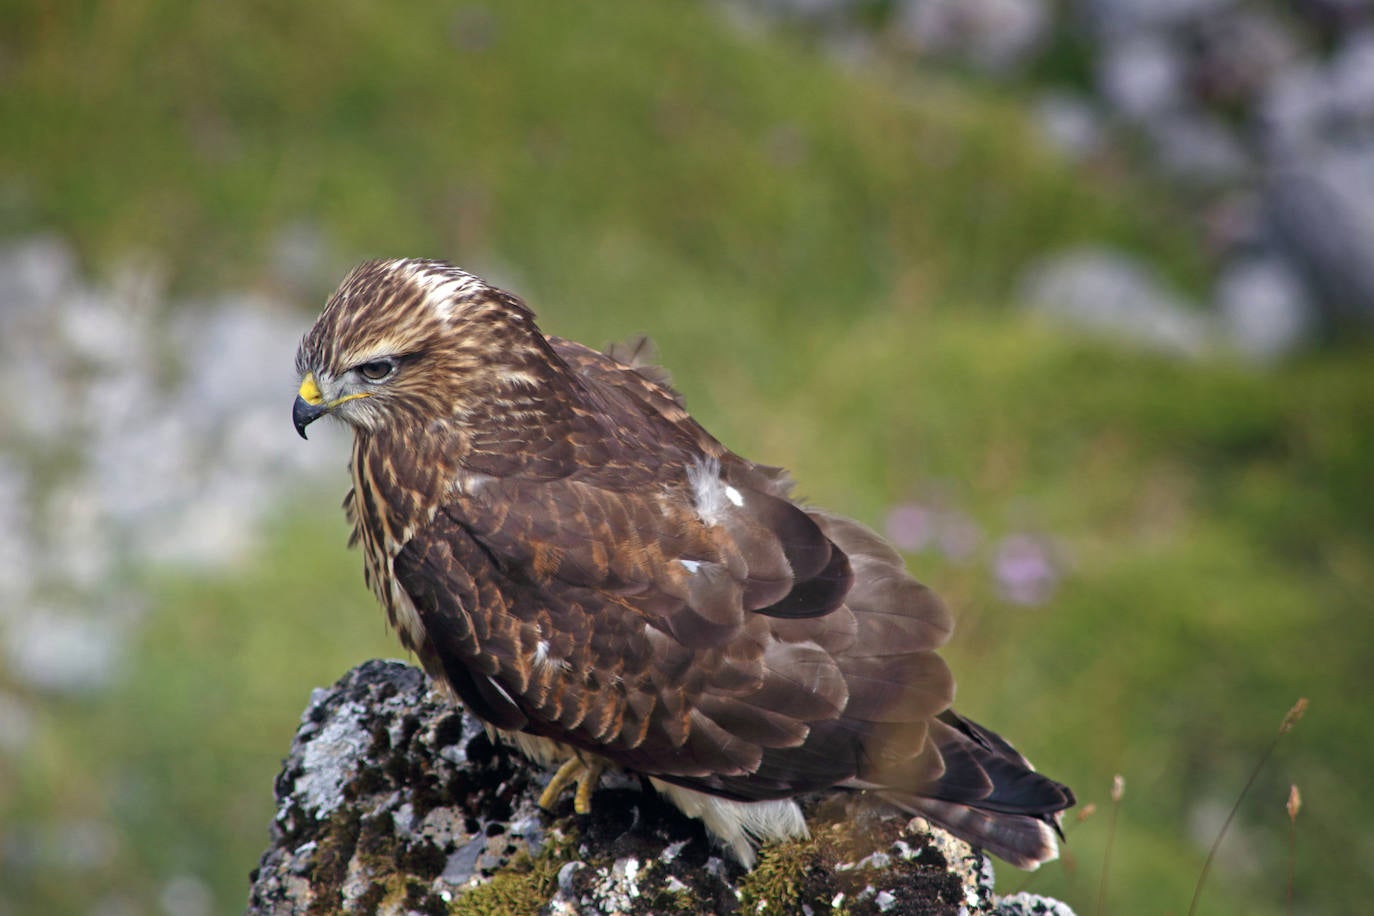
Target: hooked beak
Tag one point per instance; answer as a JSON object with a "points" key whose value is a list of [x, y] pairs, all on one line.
{"points": [[310, 403], [309, 406]]}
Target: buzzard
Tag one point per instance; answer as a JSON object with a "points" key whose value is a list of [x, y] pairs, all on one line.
{"points": [[604, 584]]}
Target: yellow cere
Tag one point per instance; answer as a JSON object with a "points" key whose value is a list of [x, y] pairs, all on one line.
{"points": [[310, 392]]}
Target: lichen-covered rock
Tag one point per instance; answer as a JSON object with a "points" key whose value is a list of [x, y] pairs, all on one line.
{"points": [[394, 801]]}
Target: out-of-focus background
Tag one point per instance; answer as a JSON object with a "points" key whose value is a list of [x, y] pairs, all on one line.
{"points": [[1070, 298]]}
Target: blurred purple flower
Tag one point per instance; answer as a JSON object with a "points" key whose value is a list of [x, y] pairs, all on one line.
{"points": [[1025, 569], [913, 527], [910, 527]]}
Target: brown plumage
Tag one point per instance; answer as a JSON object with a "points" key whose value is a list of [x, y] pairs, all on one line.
{"points": [[600, 580]]}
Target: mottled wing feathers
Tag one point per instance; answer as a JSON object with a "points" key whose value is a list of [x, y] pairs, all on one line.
{"points": [[664, 670], [639, 410], [433, 573], [756, 674]]}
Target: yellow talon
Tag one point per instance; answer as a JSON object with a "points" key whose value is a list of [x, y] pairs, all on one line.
{"points": [[577, 771], [571, 769], [591, 775]]}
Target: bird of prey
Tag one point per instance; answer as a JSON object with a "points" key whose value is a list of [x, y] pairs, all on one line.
{"points": [[603, 583]]}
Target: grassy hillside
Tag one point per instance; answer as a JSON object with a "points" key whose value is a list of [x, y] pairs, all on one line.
{"points": [[825, 258]]}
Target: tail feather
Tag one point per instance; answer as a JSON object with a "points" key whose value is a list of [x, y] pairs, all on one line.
{"points": [[1025, 841], [990, 795]]}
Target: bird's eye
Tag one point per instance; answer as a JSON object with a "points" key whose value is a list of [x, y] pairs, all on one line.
{"points": [[376, 370]]}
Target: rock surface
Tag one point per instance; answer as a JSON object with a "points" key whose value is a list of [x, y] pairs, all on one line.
{"points": [[394, 801]]}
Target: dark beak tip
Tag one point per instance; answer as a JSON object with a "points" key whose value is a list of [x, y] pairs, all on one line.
{"points": [[303, 413]]}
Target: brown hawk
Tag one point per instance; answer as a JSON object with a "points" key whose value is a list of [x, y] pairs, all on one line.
{"points": [[603, 583]]}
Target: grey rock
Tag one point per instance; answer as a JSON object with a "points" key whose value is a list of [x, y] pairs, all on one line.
{"points": [[1141, 76], [1119, 17], [1198, 148], [1297, 107], [1024, 904], [41, 418], [1266, 312], [34, 272], [392, 800], [80, 540], [16, 546], [1322, 207], [1352, 79], [1313, 107], [1109, 294]]}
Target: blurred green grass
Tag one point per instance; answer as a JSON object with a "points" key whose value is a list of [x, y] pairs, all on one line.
{"points": [[824, 257]]}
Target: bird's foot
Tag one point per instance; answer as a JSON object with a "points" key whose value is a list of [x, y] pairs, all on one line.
{"points": [[577, 771]]}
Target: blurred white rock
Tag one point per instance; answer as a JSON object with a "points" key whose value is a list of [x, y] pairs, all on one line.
{"points": [[1107, 293], [1321, 202], [102, 330], [1111, 17], [34, 272], [1266, 311], [145, 431], [16, 541], [79, 539], [215, 530], [1198, 148], [1141, 76], [41, 413], [63, 651]]}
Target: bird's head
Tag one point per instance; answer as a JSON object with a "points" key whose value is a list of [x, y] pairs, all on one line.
{"points": [[413, 340]]}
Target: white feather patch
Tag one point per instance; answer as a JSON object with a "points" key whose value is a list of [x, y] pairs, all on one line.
{"points": [[543, 751], [709, 492], [469, 482], [740, 826]]}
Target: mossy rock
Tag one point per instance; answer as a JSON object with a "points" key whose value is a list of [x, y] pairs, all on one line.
{"points": [[391, 801]]}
